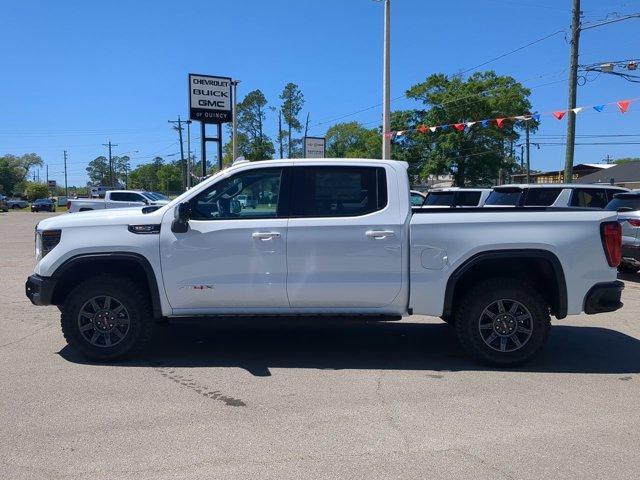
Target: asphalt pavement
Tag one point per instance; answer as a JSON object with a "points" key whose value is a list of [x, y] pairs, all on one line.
{"points": [[309, 398]]}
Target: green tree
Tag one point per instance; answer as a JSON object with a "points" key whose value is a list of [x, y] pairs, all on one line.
{"points": [[145, 176], [352, 140], [476, 155], [14, 171], [170, 177], [35, 190], [98, 171], [292, 103], [251, 115], [627, 160]]}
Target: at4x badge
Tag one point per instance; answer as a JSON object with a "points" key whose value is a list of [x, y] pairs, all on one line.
{"points": [[196, 287]]}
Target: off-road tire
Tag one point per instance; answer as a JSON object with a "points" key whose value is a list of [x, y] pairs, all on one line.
{"points": [[484, 294], [130, 295]]}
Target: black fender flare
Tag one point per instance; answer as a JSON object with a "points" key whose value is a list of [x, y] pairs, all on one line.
{"points": [[561, 283], [152, 282]]}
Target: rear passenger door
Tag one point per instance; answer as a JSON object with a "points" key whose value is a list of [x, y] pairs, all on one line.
{"points": [[344, 242]]}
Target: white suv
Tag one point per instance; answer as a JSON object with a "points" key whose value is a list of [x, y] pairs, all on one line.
{"points": [[553, 195]]}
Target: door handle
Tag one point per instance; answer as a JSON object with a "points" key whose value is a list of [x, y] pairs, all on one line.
{"points": [[265, 235], [380, 234]]}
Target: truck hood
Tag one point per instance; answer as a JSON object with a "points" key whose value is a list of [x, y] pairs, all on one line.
{"points": [[95, 218]]}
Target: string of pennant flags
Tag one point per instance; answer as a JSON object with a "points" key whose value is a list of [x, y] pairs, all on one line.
{"points": [[622, 105]]}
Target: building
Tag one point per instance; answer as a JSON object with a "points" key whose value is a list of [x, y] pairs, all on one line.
{"points": [[579, 171], [623, 174]]}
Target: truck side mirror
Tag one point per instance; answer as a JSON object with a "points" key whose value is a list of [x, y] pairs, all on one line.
{"points": [[181, 215]]}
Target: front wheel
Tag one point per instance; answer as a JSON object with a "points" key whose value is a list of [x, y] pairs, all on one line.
{"points": [[503, 322], [107, 318]]}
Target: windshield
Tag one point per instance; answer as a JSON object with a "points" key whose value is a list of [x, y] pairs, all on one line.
{"points": [[444, 199], [624, 202], [504, 197]]}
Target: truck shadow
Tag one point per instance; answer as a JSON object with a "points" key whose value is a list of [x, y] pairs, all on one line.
{"points": [[257, 345]]}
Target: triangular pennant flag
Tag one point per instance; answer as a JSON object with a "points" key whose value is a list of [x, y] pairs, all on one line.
{"points": [[500, 122], [400, 133], [576, 110], [433, 129], [536, 117], [459, 126], [521, 117], [444, 127], [471, 124], [485, 123], [388, 135], [560, 114], [599, 108], [422, 129], [623, 105]]}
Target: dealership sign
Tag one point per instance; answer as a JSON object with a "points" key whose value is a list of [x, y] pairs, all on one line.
{"points": [[210, 99], [314, 147], [52, 184]]}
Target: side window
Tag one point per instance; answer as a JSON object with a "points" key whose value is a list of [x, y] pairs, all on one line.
{"points": [[136, 197], [541, 197], [338, 191], [250, 194], [416, 200], [467, 199], [589, 198], [119, 197]]}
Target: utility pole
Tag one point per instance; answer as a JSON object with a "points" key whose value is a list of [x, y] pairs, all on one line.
{"points": [[528, 153], [234, 128], [280, 133], [188, 122], [179, 128], [386, 83], [306, 126], [47, 169], [66, 188], [110, 145], [573, 87]]}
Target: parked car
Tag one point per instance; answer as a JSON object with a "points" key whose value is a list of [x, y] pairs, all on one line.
{"points": [[115, 199], [247, 201], [456, 197], [4, 206], [628, 207], [16, 203], [553, 195], [417, 198], [43, 205], [343, 240]]}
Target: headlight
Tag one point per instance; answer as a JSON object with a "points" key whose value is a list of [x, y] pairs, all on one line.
{"points": [[46, 240]]}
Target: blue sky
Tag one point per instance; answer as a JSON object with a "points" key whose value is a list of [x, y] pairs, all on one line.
{"points": [[77, 74]]}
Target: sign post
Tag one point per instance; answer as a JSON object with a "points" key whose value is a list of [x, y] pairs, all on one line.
{"points": [[210, 101], [314, 147]]}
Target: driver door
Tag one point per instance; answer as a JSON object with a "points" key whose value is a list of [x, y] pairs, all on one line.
{"points": [[231, 259]]}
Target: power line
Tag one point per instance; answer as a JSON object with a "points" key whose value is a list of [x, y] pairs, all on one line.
{"points": [[512, 52]]}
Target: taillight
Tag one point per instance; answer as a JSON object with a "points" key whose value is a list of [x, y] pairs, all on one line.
{"points": [[633, 222], [611, 234], [68, 204]]}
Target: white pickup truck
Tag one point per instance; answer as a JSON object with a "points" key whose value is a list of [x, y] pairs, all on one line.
{"points": [[116, 199], [326, 237]]}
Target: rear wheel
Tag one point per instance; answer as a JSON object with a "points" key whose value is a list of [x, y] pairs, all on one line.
{"points": [[107, 318], [503, 322]]}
